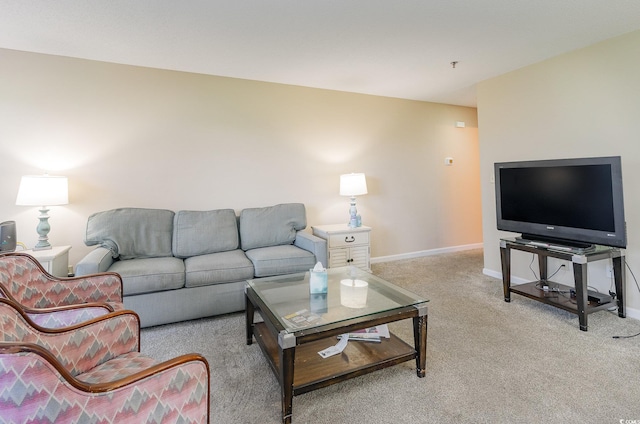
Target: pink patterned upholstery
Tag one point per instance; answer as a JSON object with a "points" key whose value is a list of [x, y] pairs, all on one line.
{"points": [[66, 316], [23, 280], [93, 372]]}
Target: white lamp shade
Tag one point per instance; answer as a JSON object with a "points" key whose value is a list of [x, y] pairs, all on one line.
{"points": [[43, 190], [353, 184]]}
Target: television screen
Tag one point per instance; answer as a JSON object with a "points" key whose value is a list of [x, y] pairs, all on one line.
{"points": [[567, 201]]}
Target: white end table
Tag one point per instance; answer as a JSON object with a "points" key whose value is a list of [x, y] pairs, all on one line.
{"points": [[55, 260], [346, 245]]}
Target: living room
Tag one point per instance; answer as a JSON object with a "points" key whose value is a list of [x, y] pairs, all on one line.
{"points": [[136, 136], [142, 137]]}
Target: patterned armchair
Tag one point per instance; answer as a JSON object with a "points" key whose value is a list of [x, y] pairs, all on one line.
{"points": [[94, 372], [23, 280]]}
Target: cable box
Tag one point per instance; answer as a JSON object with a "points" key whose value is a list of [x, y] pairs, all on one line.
{"points": [[599, 298]]}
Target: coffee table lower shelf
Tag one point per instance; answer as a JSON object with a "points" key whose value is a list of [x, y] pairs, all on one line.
{"points": [[313, 372]]}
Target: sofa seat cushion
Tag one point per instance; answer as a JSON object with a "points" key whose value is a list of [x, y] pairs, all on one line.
{"points": [[222, 267], [278, 260], [150, 274], [202, 232]]}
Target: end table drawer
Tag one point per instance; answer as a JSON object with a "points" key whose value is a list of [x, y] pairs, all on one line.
{"points": [[348, 239]]}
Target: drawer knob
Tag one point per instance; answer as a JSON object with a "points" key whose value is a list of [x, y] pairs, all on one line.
{"points": [[350, 239]]}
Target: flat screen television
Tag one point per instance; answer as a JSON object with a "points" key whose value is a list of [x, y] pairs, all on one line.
{"points": [[571, 202]]}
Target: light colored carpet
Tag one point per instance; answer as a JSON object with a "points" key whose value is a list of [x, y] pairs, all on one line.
{"points": [[488, 361]]}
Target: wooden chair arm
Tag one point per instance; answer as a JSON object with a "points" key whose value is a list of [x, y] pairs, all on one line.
{"points": [[156, 369], [18, 347], [105, 306], [64, 316], [59, 291], [78, 347], [24, 311], [190, 371]]}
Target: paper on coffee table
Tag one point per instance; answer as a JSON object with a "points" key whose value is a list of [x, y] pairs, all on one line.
{"points": [[338, 348], [302, 318]]}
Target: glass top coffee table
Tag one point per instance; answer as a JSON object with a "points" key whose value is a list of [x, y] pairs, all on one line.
{"points": [[297, 325]]}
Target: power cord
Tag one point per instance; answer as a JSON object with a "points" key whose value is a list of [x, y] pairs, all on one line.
{"points": [[626, 337], [533, 257], [633, 275], [556, 271], [543, 286], [547, 288], [531, 268], [638, 286]]}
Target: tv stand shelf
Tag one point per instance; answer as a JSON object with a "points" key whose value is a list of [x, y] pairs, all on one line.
{"points": [[558, 294]]}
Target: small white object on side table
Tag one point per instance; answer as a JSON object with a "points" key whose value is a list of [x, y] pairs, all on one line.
{"points": [[346, 245], [55, 260]]}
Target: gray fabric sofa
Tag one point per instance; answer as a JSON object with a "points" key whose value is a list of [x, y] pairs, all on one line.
{"points": [[183, 265]]}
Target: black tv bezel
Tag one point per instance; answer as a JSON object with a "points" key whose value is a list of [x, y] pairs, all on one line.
{"points": [[561, 234]]}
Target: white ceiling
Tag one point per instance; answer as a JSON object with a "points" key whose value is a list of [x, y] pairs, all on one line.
{"points": [[395, 48]]}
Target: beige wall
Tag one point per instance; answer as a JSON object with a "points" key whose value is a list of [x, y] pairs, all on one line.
{"points": [[130, 136], [584, 103]]}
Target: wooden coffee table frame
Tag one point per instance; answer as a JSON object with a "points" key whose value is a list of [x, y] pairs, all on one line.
{"points": [[284, 349]]}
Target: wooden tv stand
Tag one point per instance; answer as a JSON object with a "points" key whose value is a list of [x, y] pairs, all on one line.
{"points": [[579, 305]]}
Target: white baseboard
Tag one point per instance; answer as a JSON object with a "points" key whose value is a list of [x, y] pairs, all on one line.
{"points": [[498, 275], [631, 313], [492, 273], [419, 254]]}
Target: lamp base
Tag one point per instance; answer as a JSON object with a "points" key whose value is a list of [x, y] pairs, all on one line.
{"points": [[40, 246], [355, 220], [43, 229]]}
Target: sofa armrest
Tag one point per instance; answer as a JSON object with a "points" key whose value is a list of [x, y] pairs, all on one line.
{"points": [[98, 260], [314, 244]]}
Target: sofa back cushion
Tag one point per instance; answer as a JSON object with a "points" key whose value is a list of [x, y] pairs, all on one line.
{"points": [[132, 233], [203, 232], [271, 226]]}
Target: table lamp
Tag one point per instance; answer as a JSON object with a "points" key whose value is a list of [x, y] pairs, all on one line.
{"points": [[43, 191], [352, 185]]}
